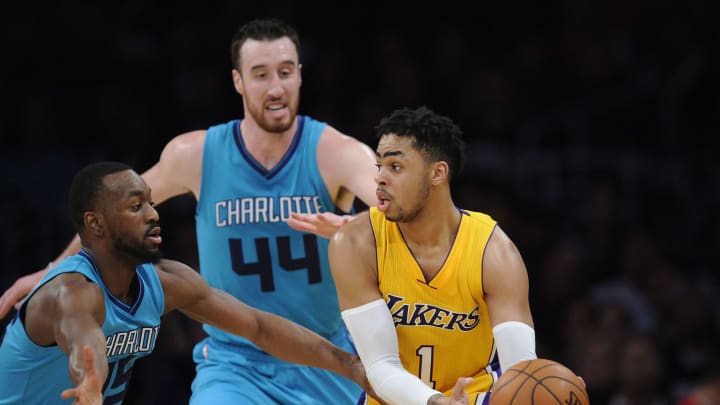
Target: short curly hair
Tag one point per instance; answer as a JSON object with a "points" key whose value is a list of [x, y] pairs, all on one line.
{"points": [[437, 137], [87, 187]]}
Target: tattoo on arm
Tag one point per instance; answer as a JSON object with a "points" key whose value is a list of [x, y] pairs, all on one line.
{"points": [[435, 399]]}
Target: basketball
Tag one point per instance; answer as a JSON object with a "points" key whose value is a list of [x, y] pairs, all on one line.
{"points": [[539, 382]]}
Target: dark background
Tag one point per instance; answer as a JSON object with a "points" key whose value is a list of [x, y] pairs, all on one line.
{"points": [[590, 125]]}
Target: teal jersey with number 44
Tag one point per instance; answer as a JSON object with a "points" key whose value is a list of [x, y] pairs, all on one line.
{"points": [[245, 245]]}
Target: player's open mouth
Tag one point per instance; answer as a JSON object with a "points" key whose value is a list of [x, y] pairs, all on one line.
{"points": [[275, 107], [383, 201], [154, 235]]}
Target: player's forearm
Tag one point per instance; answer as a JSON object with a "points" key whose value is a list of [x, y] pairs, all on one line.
{"points": [[276, 335], [74, 334], [77, 361], [296, 344]]}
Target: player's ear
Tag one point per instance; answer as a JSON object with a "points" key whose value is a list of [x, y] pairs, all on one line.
{"points": [[93, 222], [439, 172], [237, 82], [299, 69]]}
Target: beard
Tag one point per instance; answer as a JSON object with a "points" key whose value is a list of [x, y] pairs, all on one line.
{"points": [[273, 126], [137, 253], [412, 213]]}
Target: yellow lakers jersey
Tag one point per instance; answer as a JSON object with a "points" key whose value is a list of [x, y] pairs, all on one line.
{"points": [[443, 327]]}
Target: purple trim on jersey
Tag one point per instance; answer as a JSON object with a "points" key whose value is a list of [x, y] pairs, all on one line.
{"points": [[362, 400], [495, 366], [377, 258], [494, 369], [269, 174], [452, 245]]}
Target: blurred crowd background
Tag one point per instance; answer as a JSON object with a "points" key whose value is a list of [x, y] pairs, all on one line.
{"points": [[590, 127]]}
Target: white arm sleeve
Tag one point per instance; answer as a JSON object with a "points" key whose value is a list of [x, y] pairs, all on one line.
{"points": [[373, 332], [515, 342]]}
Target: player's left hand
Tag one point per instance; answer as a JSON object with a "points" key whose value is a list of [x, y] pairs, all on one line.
{"points": [[14, 296], [458, 396], [89, 390], [323, 224]]}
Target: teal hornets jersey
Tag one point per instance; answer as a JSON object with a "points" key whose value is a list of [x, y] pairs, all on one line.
{"points": [[245, 245], [32, 374]]}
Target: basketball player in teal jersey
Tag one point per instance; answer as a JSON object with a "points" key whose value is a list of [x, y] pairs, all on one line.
{"points": [[248, 176], [94, 314]]}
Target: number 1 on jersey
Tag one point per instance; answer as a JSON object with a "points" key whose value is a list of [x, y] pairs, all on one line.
{"points": [[426, 364]]}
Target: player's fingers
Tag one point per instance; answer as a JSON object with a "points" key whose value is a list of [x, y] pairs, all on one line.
{"points": [[69, 393], [332, 219], [458, 392], [300, 224], [326, 216], [295, 217], [303, 218]]}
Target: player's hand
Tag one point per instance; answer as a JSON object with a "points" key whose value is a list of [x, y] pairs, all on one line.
{"points": [[458, 396], [323, 224], [14, 295], [89, 390]]}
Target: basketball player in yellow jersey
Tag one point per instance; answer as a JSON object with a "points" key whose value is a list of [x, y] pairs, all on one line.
{"points": [[430, 293]]}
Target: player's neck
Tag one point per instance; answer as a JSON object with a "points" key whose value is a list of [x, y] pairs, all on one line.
{"points": [[266, 147], [117, 274], [435, 225]]}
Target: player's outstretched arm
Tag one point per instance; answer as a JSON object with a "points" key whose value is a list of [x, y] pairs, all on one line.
{"points": [[69, 311], [89, 390], [79, 313], [323, 224], [347, 167], [13, 296], [188, 292]]}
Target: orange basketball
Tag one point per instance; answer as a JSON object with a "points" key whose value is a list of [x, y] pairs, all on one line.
{"points": [[539, 382]]}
